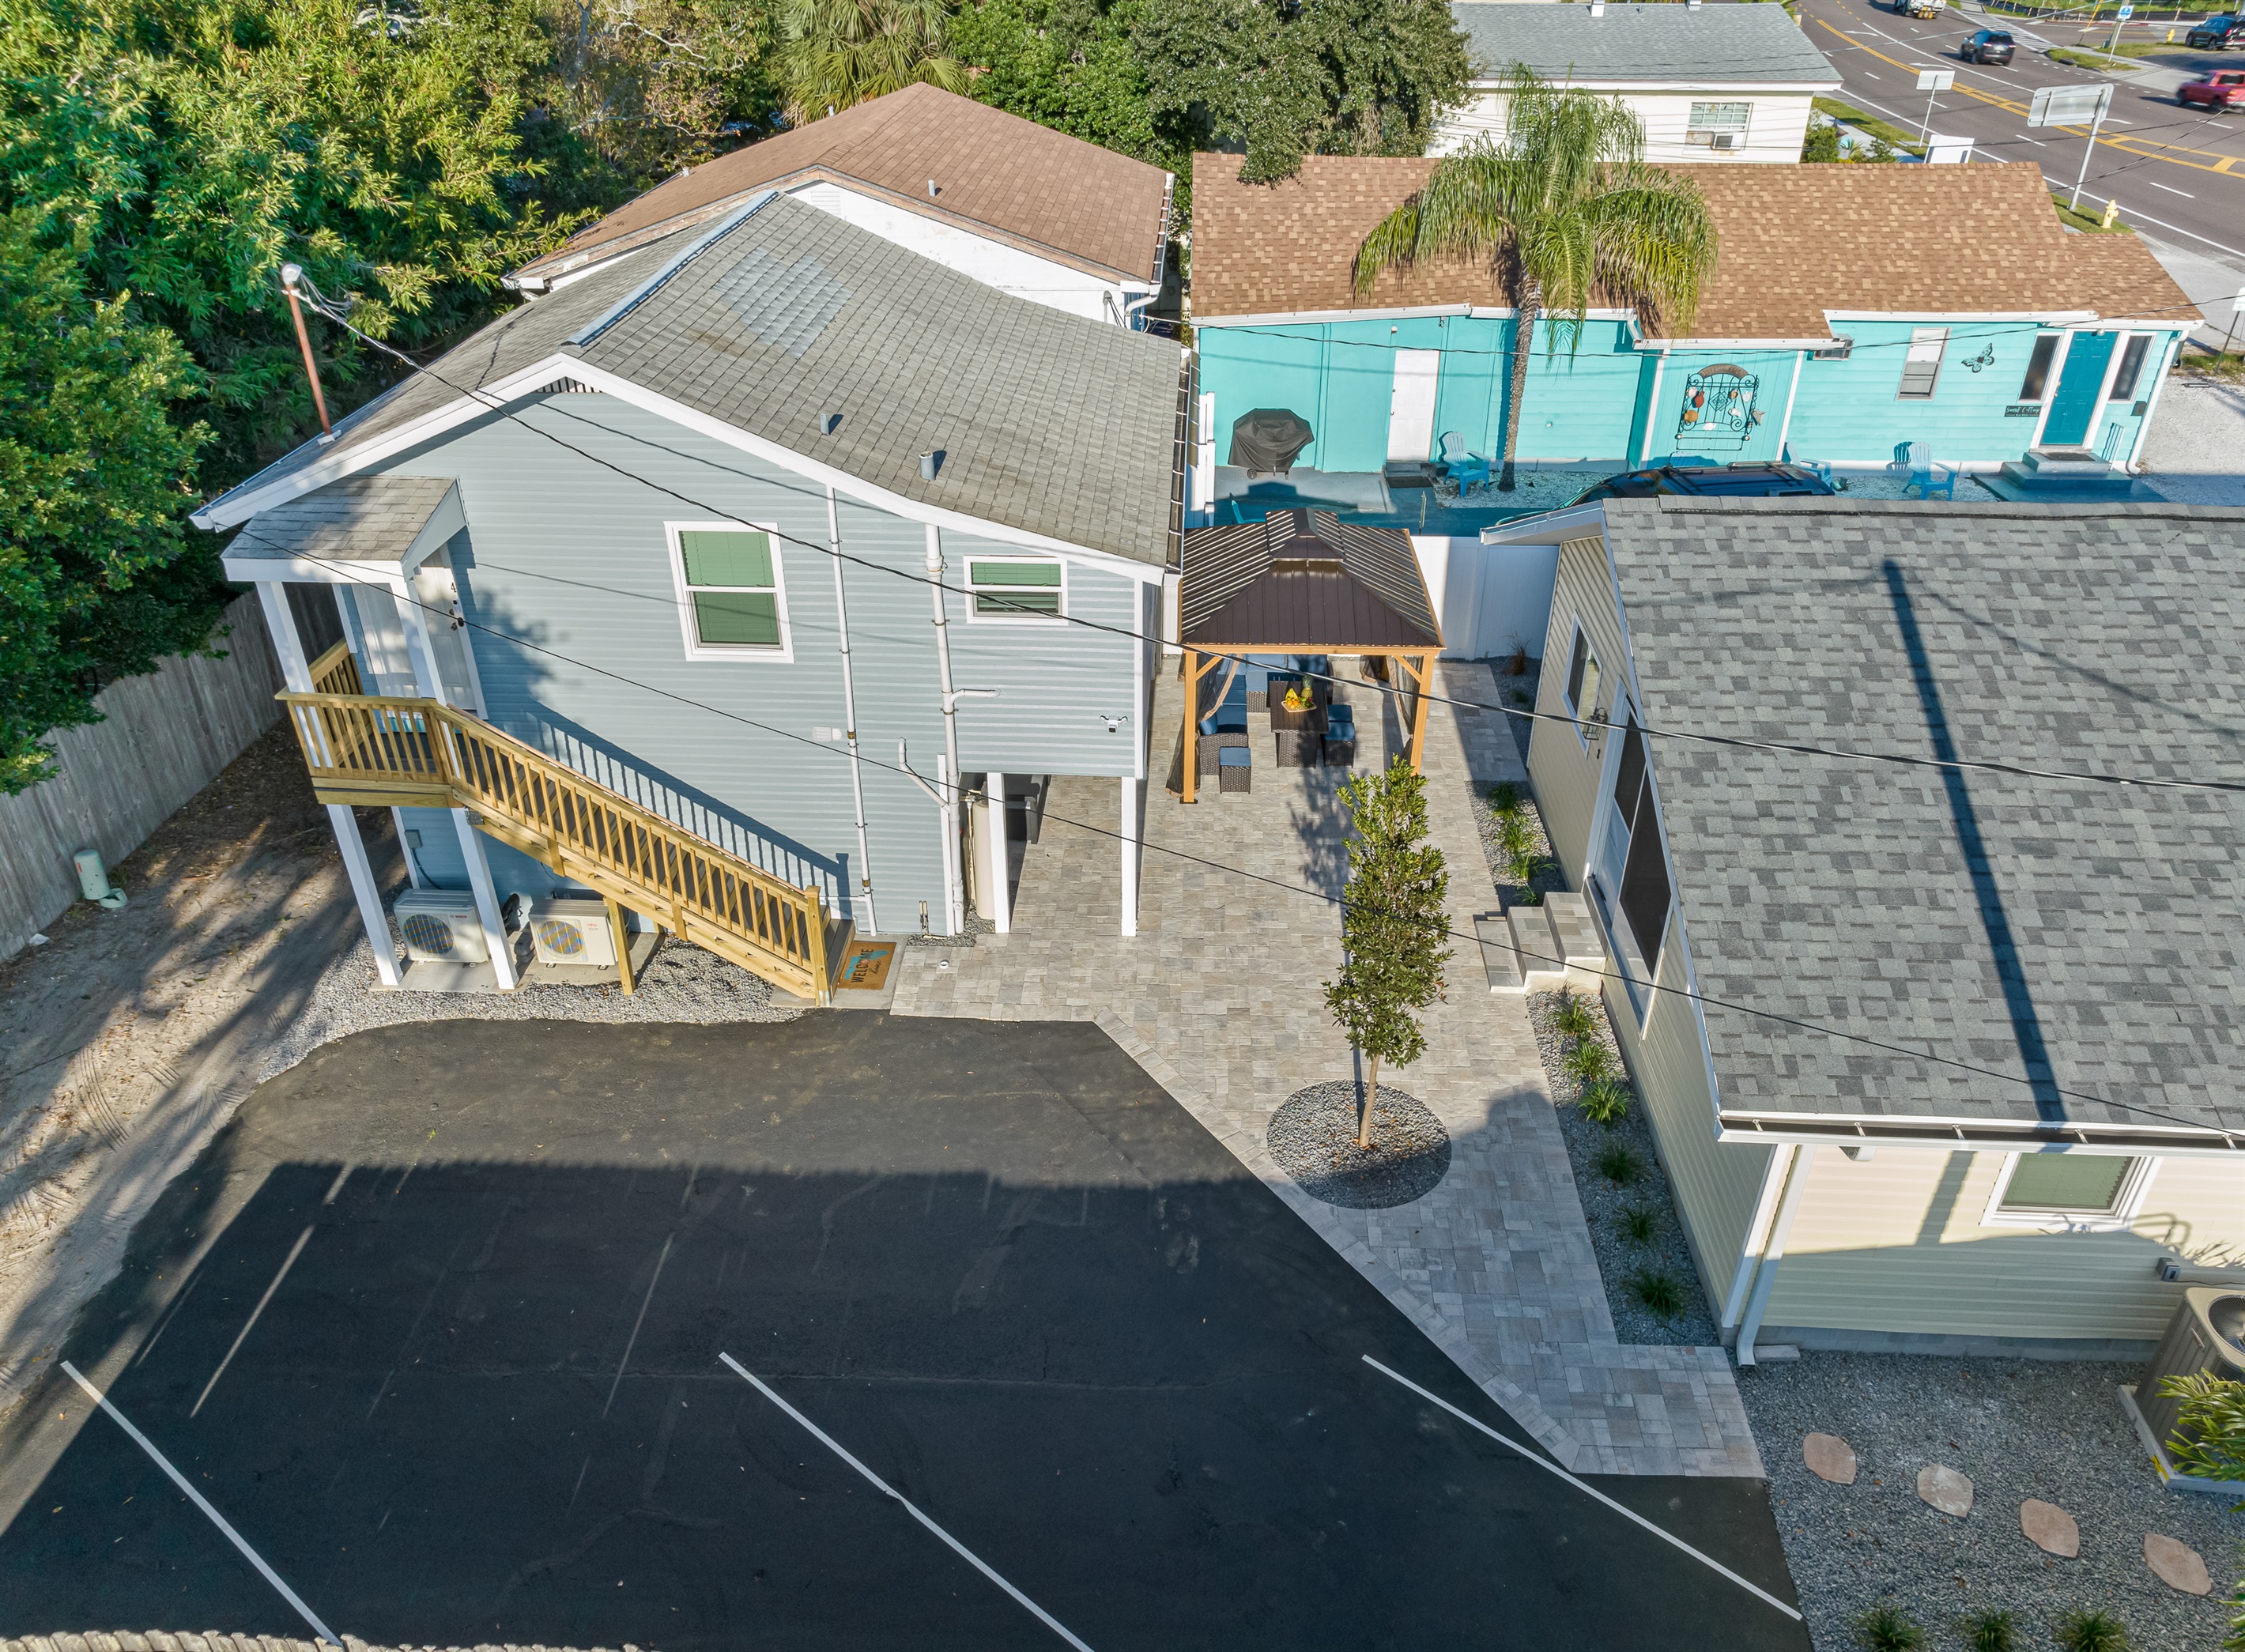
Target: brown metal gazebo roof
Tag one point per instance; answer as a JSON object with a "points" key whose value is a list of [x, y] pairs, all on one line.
{"points": [[1304, 581]]}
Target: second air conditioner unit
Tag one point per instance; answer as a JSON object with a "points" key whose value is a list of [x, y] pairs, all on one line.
{"points": [[441, 926], [573, 930]]}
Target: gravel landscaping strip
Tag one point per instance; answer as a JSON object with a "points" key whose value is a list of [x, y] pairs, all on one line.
{"points": [[1313, 1136], [2019, 1429], [1608, 1204]]}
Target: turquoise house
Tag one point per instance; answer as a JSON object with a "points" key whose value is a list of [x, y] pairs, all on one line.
{"points": [[1852, 309]]}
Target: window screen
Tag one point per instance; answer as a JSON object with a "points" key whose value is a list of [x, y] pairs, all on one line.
{"points": [[1629, 774], [1921, 369], [1582, 679], [1014, 590], [732, 584], [2076, 1181], [2038, 379], [1644, 880], [2132, 368], [1711, 123]]}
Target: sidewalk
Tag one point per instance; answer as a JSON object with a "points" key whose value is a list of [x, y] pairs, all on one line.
{"points": [[1220, 998]]}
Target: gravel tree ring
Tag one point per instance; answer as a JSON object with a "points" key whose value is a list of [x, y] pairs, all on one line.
{"points": [[1313, 1138]]}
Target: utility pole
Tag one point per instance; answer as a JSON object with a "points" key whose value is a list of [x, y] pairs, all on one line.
{"points": [[290, 274]]}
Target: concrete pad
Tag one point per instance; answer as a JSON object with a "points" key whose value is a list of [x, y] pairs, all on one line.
{"points": [[2177, 1564], [1943, 1489], [1829, 1458], [2049, 1528]]}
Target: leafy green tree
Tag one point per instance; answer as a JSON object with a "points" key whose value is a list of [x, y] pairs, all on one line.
{"points": [[1069, 64], [95, 576], [1393, 936], [837, 53], [2210, 1440], [1567, 214]]}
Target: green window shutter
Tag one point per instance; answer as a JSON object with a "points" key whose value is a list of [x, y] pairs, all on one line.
{"points": [[727, 557], [740, 619], [1003, 588]]}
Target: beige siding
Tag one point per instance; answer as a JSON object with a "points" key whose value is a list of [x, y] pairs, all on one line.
{"points": [[1897, 1242], [1565, 773], [1716, 1183]]}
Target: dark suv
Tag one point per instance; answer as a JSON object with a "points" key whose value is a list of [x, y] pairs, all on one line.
{"points": [[2217, 33], [1757, 480], [1989, 45]]}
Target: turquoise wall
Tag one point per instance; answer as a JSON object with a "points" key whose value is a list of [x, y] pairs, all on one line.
{"points": [[1599, 403]]}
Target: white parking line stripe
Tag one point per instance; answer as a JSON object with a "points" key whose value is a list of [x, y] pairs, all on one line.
{"points": [[886, 1490], [637, 1323], [1629, 1513], [203, 1503], [294, 1251], [2185, 193]]}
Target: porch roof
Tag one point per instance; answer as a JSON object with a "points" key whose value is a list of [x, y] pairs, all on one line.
{"points": [[389, 523], [1304, 581]]}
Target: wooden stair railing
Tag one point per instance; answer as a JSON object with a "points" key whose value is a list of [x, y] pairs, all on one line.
{"points": [[336, 673], [368, 750]]}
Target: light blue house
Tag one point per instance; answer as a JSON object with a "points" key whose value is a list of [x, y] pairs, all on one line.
{"points": [[765, 544], [1853, 308]]}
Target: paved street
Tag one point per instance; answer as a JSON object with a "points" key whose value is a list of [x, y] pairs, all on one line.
{"points": [[436, 1323], [2179, 173]]}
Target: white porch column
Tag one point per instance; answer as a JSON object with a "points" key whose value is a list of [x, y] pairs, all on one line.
{"points": [[296, 672], [479, 880], [1133, 856], [1774, 1253], [996, 863]]}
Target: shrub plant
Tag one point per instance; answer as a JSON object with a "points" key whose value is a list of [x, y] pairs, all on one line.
{"points": [[1887, 1628]]}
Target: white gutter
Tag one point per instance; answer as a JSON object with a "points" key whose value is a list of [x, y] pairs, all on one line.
{"points": [[1796, 1182], [1785, 429], [850, 716]]}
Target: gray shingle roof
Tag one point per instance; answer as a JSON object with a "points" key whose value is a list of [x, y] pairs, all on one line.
{"points": [[1711, 43], [361, 519], [1048, 422], [2081, 638]]}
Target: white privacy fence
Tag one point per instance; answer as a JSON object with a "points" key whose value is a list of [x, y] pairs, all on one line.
{"points": [[165, 737], [1491, 599]]}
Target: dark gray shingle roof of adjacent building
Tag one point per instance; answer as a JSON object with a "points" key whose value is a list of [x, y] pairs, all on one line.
{"points": [[1709, 43], [1841, 892], [1048, 422], [361, 519]]}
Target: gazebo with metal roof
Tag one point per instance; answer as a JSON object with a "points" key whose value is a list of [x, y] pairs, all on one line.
{"points": [[1303, 582]]}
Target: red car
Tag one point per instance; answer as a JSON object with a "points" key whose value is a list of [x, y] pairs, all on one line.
{"points": [[2223, 88]]}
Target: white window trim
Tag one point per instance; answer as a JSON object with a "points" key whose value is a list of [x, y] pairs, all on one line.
{"points": [[1639, 975], [2126, 1204], [737, 653], [967, 560], [1940, 364], [1704, 137], [1591, 666]]}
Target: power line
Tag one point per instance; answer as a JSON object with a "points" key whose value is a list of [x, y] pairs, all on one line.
{"points": [[1577, 721], [1684, 993]]}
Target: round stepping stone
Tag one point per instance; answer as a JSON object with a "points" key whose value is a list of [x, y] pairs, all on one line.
{"points": [[2176, 1565], [1829, 1458], [2049, 1528], [1945, 1489]]}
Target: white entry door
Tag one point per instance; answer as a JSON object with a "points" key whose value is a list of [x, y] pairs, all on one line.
{"points": [[1411, 404]]}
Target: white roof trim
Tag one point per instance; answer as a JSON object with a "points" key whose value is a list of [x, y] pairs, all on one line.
{"points": [[1409, 312], [1678, 84], [1550, 528], [2016, 1135], [1665, 344], [2048, 318]]}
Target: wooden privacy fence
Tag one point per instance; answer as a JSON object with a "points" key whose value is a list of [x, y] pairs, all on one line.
{"points": [[163, 737], [370, 749]]}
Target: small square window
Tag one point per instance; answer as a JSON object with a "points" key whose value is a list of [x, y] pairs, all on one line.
{"points": [[2081, 1184], [730, 590], [1012, 590], [1921, 368], [1718, 126]]}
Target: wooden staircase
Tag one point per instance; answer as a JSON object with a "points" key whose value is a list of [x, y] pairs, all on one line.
{"points": [[369, 749]]}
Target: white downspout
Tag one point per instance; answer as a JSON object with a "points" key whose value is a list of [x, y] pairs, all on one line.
{"points": [[1766, 1280], [1652, 413], [954, 894], [850, 721], [1785, 429]]}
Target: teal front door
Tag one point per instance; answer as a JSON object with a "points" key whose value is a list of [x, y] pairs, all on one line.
{"points": [[2074, 405]]}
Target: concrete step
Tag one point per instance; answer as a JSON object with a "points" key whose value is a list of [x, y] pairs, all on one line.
{"points": [[1498, 960], [1577, 940], [1541, 968], [2072, 463]]}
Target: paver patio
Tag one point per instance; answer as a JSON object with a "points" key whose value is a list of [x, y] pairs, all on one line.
{"points": [[1220, 998]]}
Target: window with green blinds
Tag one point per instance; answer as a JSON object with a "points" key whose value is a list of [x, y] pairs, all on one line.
{"points": [[1014, 590], [732, 586], [2085, 1182]]}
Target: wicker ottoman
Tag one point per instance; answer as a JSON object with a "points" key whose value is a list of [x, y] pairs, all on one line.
{"points": [[1234, 768]]}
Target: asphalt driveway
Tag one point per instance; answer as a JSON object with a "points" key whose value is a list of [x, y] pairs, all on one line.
{"points": [[437, 1322]]}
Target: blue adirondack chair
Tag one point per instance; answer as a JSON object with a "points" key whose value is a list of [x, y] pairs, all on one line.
{"points": [[1461, 466], [1925, 476]]}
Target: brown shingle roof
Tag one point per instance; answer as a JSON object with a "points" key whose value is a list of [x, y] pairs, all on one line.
{"points": [[1796, 241], [1040, 189], [1304, 580]]}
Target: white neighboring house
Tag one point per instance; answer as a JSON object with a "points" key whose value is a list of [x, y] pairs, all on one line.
{"points": [[1723, 82], [1002, 200]]}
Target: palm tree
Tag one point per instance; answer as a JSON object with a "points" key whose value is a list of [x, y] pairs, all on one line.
{"points": [[835, 53], [1566, 210]]}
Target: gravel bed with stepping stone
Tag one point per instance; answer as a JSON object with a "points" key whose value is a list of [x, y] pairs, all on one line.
{"points": [[2061, 1508], [1313, 1136]]}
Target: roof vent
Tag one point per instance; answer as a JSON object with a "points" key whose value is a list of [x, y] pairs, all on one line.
{"points": [[828, 423], [1597, 8], [930, 462], [930, 189], [1691, 5]]}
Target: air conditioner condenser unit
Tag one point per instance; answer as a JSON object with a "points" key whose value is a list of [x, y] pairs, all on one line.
{"points": [[573, 930], [441, 926]]}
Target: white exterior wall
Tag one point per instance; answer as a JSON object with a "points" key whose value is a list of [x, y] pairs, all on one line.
{"points": [[1009, 269], [1776, 126]]}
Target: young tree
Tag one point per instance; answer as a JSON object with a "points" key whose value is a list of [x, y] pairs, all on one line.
{"points": [[1567, 212], [96, 575], [1393, 936], [837, 53]]}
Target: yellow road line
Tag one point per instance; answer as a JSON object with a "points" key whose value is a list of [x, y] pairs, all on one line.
{"points": [[2143, 148]]}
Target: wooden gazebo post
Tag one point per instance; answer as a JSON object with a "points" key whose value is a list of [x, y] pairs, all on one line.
{"points": [[1190, 742], [1421, 667]]}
